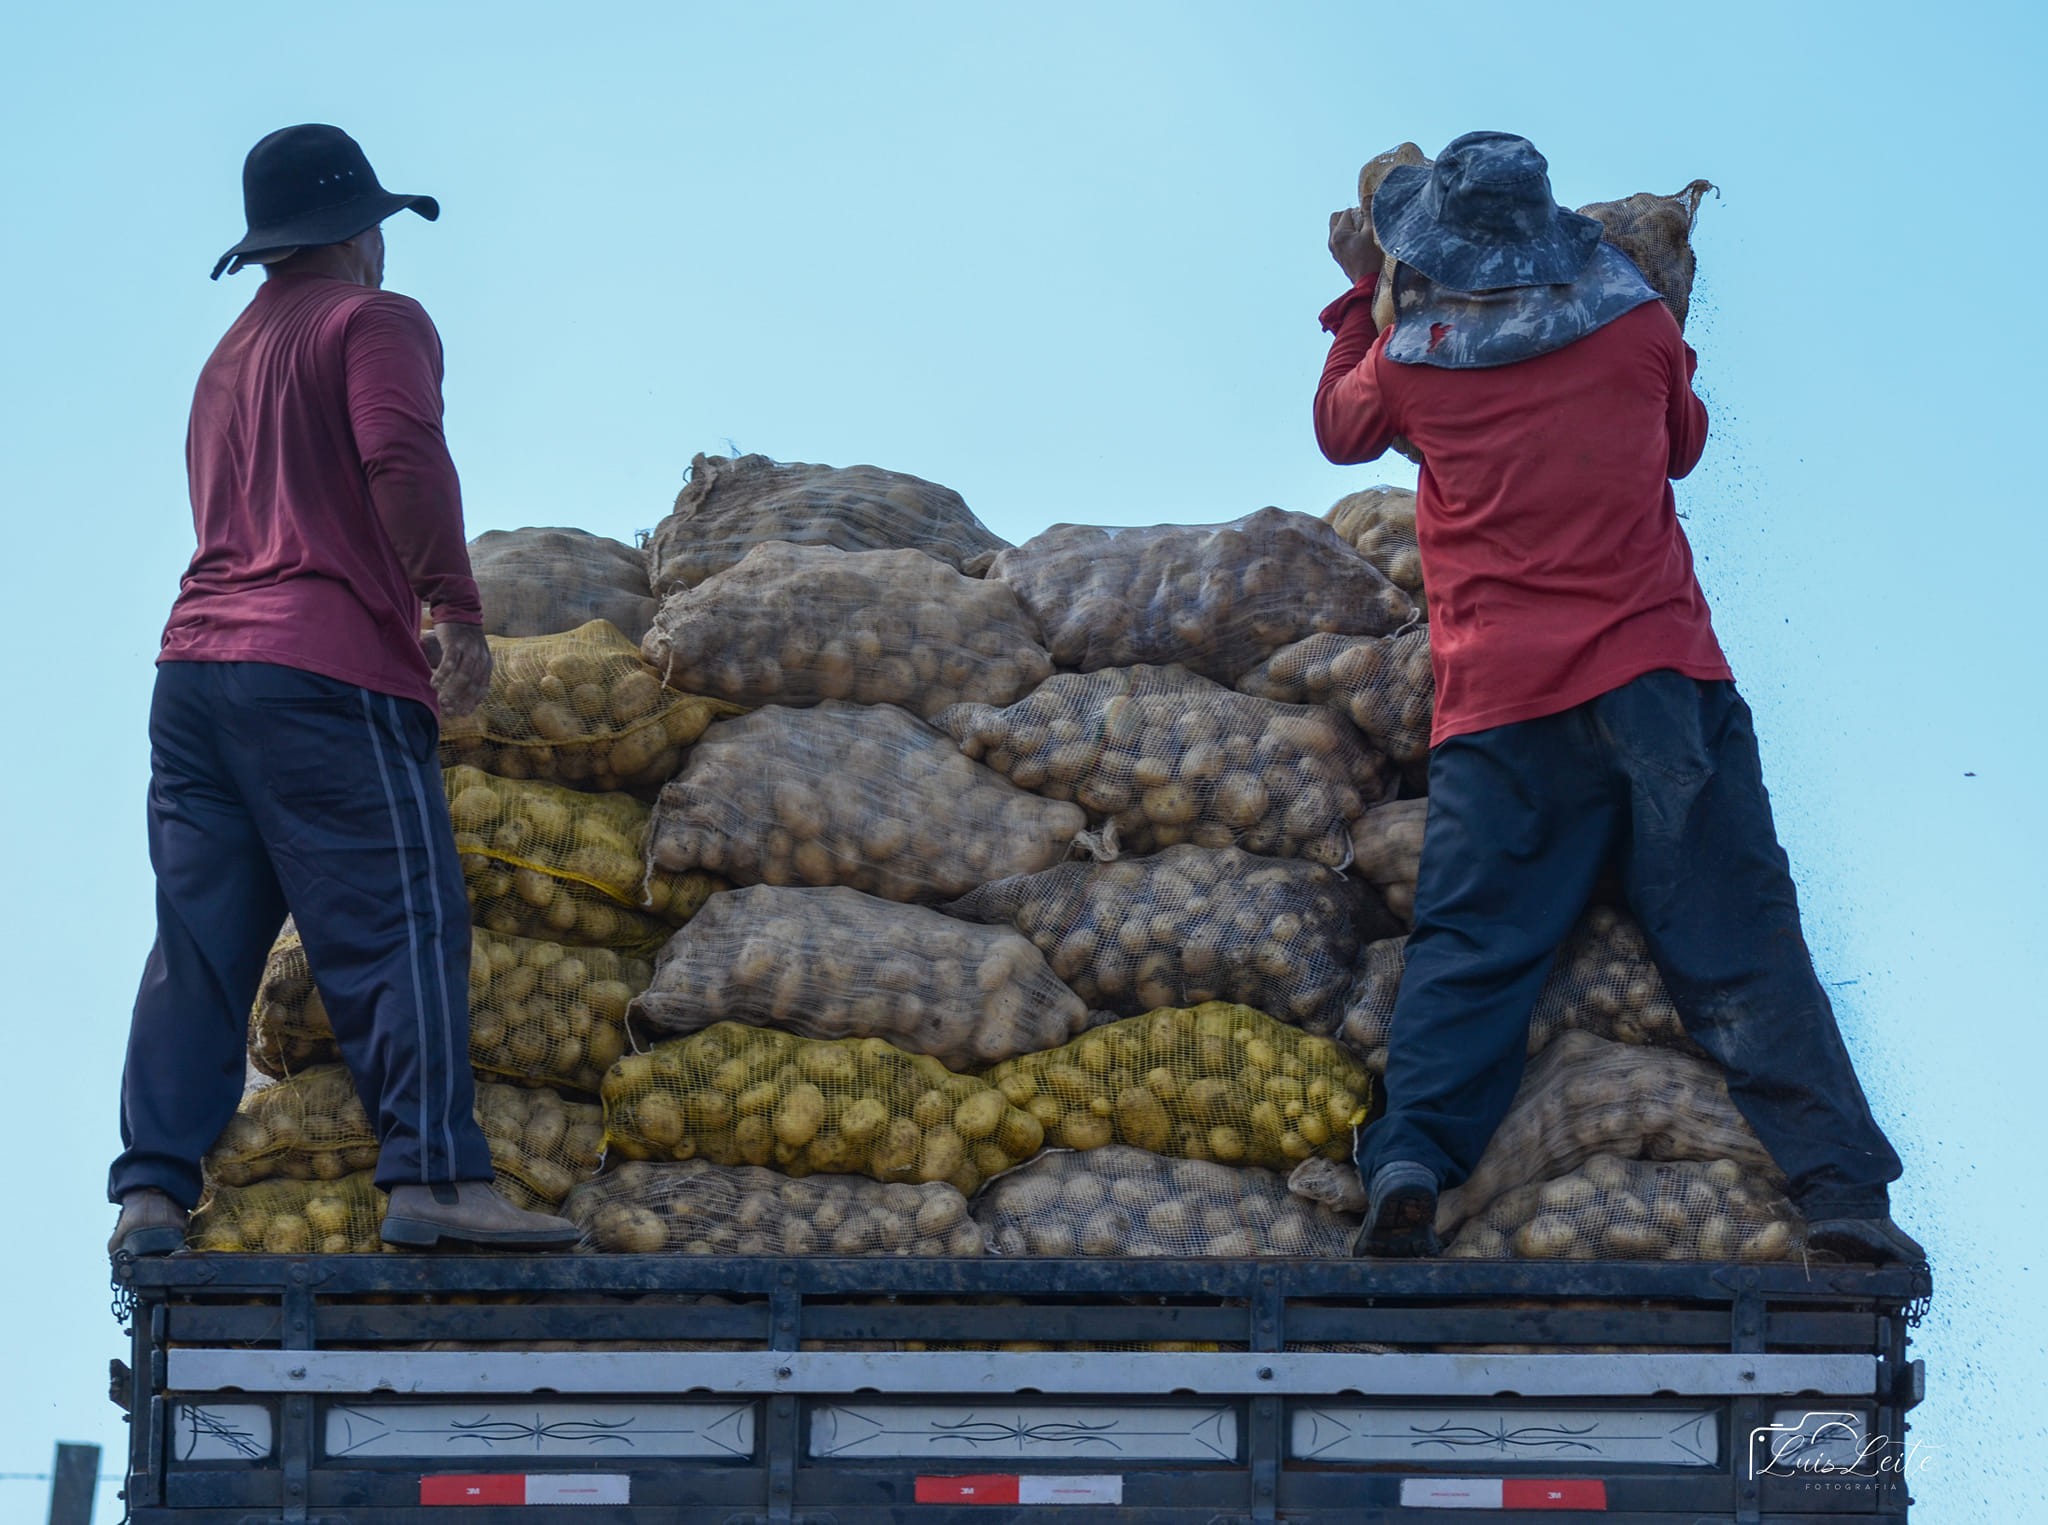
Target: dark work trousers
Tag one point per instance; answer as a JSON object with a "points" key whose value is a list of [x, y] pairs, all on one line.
{"points": [[1662, 777], [271, 790]]}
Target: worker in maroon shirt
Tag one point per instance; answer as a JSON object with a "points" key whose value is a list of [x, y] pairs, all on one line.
{"points": [[1585, 714], [294, 732]]}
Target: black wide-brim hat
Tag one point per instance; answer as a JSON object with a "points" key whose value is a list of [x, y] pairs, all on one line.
{"points": [[1482, 218], [310, 185]]}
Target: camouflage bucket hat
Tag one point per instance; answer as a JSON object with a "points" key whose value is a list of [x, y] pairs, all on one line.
{"points": [[1481, 218]]}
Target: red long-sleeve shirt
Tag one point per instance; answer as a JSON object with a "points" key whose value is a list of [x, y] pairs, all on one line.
{"points": [[1552, 555], [324, 499]]}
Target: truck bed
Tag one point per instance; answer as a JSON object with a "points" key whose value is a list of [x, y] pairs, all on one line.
{"points": [[384, 1390]]}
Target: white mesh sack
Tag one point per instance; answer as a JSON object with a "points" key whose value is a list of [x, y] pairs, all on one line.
{"points": [[1383, 684], [1169, 757], [793, 624], [1214, 598], [1379, 524], [1610, 1208], [869, 797], [1188, 925], [835, 963]]}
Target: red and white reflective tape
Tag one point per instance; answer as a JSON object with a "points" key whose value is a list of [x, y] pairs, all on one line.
{"points": [[1502, 1493], [526, 1488], [1048, 1488]]}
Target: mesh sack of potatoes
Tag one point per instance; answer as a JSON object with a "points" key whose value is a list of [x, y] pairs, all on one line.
{"points": [[1383, 683], [868, 797], [287, 1217], [1123, 1201], [733, 503], [835, 963], [548, 862], [1656, 233], [1379, 524], [539, 1013], [737, 1095], [1585, 1096], [697, 1208], [1603, 981], [1386, 852], [1610, 1208], [1168, 757], [1216, 599], [582, 709], [546, 581], [1209, 1082], [1188, 925], [313, 1128], [793, 624]]}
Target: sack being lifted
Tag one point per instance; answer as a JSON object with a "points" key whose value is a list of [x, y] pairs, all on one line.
{"points": [[1188, 925], [579, 709], [1215, 599], [835, 963], [732, 504], [546, 581], [869, 797], [1169, 757], [794, 624]]}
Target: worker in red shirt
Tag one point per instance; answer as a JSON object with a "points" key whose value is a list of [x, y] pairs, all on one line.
{"points": [[293, 734], [1585, 714]]}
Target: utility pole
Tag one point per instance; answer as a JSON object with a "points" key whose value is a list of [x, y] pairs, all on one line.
{"points": [[72, 1483]]}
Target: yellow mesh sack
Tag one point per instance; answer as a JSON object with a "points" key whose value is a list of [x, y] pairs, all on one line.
{"points": [[290, 1218], [1610, 1208], [697, 1208], [1122, 1201], [313, 1128], [738, 1095], [539, 1013], [544, 861], [1209, 1082], [579, 709]]}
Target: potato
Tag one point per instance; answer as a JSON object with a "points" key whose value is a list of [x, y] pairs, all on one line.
{"points": [[578, 709], [1118, 1200], [288, 1217], [1614, 1208], [1214, 599], [1188, 925], [695, 1207], [794, 624], [841, 794], [539, 1013], [732, 504], [571, 867], [811, 1107], [1283, 781], [837, 963], [1212, 1082]]}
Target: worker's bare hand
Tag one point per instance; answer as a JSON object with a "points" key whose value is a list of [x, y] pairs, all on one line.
{"points": [[1353, 246], [462, 666]]}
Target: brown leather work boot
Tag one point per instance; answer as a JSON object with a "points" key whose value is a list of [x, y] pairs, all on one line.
{"points": [[150, 1224], [469, 1213]]}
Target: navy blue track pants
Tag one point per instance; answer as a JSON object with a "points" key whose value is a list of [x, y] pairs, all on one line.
{"points": [[275, 790], [1660, 776]]}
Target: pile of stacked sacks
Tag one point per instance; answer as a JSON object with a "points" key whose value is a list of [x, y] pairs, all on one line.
{"points": [[847, 881]]}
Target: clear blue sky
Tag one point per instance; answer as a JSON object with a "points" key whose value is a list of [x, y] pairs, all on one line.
{"points": [[1067, 259]]}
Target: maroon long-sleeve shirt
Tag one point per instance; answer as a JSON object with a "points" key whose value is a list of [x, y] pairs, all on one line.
{"points": [[1552, 555], [324, 499]]}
